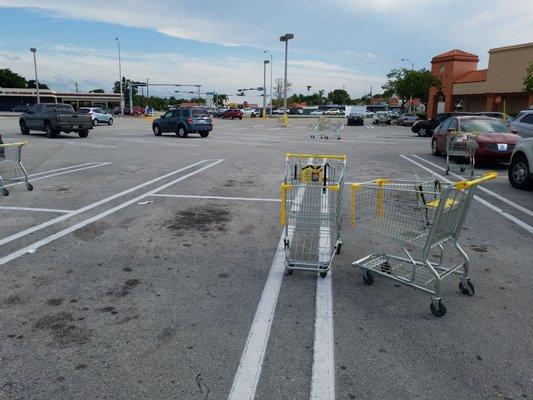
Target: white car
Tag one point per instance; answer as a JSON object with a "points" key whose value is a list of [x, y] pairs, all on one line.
{"points": [[369, 114], [279, 111], [98, 115], [520, 169], [317, 112], [523, 124], [332, 111], [247, 112]]}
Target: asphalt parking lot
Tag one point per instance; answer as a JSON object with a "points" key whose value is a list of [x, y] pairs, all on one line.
{"points": [[145, 267]]}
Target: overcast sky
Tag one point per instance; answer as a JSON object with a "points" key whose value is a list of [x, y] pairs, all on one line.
{"points": [[338, 43]]}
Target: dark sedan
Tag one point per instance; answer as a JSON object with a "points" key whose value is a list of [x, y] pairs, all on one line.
{"points": [[356, 119], [495, 141]]}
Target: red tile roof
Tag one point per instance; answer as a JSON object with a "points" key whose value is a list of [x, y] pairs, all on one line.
{"points": [[455, 54], [473, 76]]}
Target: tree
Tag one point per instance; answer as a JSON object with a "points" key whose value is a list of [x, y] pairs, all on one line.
{"points": [[410, 83], [528, 79], [278, 88], [339, 96], [220, 99], [31, 85], [97, 91], [9, 79], [126, 91]]}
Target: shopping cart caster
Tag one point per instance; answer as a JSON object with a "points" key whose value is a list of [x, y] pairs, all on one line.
{"points": [[29, 186], [323, 274], [439, 310], [339, 247], [368, 278], [468, 289], [5, 192], [288, 271]]}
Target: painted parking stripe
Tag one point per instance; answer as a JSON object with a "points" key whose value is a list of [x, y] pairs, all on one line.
{"points": [[488, 191], [33, 247], [189, 196], [48, 210], [96, 146], [93, 205], [60, 169], [503, 213]]}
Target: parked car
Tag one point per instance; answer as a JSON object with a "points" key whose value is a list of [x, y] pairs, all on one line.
{"points": [[520, 172], [356, 118], [53, 118], [214, 112], [332, 111], [183, 121], [382, 117], [257, 112], [232, 113], [317, 112], [247, 112], [493, 114], [495, 141], [22, 108], [369, 114], [523, 123], [393, 115], [407, 119], [97, 114], [2, 151], [135, 111], [425, 127]]}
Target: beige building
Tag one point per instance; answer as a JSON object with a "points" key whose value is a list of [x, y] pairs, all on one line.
{"points": [[497, 88]]}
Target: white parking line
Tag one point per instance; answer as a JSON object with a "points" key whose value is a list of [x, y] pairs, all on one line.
{"points": [[33, 247], [96, 146], [49, 210], [60, 169], [490, 192], [504, 214], [92, 205], [188, 196], [157, 142]]}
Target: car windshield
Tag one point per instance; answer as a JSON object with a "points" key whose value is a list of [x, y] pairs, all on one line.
{"points": [[200, 113], [382, 113], [483, 125]]}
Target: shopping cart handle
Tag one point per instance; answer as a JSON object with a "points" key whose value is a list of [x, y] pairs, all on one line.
{"points": [[298, 155], [474, 182]]}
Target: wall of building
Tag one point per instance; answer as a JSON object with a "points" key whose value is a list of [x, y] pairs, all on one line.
{"points": [[507, 68]]}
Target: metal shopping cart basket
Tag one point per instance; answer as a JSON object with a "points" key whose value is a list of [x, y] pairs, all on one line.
{"points": [[324, 129], [311, 211], [461, 146], [423, 217], [11, 167]]}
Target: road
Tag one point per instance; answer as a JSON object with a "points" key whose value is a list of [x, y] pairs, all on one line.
{"points": [[145, 267]]}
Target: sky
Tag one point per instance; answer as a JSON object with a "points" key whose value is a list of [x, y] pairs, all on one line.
{"points": [[349, 44]]}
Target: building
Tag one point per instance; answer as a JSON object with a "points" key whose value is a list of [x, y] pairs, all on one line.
{"points": [[10, 98], [466, 88]]}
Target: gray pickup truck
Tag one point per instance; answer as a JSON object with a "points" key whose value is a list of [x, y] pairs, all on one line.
{"points": [[52, 119]]}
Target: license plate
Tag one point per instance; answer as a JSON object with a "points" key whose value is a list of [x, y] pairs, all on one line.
{"points": [[74, 126], [502, 146], [201, 121]]}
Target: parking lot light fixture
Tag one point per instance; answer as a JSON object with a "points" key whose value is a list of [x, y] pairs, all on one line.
{"points": [[285, 38], [270, 96], [120, 78], [265, 62], [34, 50]]}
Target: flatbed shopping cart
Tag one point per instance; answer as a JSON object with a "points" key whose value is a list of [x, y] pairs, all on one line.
{"points": [[311, 211], [460, 153], [11, 167], [423, 217]]}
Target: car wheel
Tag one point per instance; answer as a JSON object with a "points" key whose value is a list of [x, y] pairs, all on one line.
{"points": [[48, 131], [110, 121], [240, 117], [422, 132], [181, 132], [434, 149], [519, 173], [23, 128], [83, 134], [95, 122], [204, 134], [157, 130]]}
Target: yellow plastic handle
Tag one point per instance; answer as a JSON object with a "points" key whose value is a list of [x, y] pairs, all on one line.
{"points": [[474, 182], [283, 213], [355, 188], [14, 144], [298, 155]]}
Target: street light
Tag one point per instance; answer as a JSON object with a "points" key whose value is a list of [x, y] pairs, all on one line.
{"points": [[120, 79], [34, 50], [285, 38], [271, 64], [410, 96], [265, 62]]}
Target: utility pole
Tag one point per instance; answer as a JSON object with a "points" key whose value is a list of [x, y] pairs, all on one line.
{"points": [[271, 65], [131, 96], [147, 94], [34, 50], [120, 78], [76, 85], [265, 62], [285, 38]]}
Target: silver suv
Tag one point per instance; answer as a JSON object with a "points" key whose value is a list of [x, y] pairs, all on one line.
{"points": [[523, 123], [97, 114], [520, 169]]}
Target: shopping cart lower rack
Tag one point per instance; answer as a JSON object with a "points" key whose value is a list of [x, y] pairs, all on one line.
{"points": [[311, 211], [423, 217], [11, 167]]}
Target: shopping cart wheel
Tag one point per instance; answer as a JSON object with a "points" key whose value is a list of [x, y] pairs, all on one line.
{"points": [[323, 274], [29, 186], [288, 271], [468, 289], [339, 247], [439, 310], [5, 192], [368, 278]]}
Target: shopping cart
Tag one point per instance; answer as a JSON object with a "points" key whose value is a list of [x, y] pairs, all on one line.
{"points": [[311, 211], [324, 128], [423, 217], [460, 147], [11, 166]]}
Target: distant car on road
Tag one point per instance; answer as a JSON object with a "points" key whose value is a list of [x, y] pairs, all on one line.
{"points": [[393, 115], [382, 117], [523, 123], [369, 114], [520, 169], [407, 119], [97, 114], [317, 112], [232, 113], [183, 121], [426, 127], [21, 108], [53, 118], [332, 111], [495, 141], [280, 111], [355, 118]]}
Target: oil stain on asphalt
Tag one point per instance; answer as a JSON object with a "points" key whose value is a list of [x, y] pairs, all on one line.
{"points": [[200, 219], [62, 329]]}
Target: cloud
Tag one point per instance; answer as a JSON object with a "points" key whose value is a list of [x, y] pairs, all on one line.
{"points": [[383, 6]]}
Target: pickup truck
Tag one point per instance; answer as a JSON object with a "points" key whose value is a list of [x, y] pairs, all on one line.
{"points": [[52, 119]]}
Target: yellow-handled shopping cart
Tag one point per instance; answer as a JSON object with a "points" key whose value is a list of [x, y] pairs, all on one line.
{"points": [[11, 167], [423, 217]]}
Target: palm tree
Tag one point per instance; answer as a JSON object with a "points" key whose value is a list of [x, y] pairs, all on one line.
{"points": [[221, 98]]}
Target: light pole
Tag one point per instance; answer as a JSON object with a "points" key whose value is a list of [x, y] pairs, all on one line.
{"points": [[285, 38], [34, 50], [120, 79], [271, 65], [265, 62], [410, 96]]}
